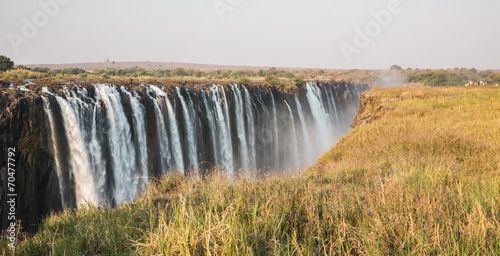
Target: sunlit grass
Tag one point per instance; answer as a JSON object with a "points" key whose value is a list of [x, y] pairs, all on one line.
{"points": [[423, 179]]}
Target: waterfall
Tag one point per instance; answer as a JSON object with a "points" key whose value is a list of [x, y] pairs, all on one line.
{"points": [[230, 163], [174, 131], [176, 139], [320, 116], [263, 128], [163, 142], [305, 133], [195, 122], [213, 129], [251, 130], [140, 140], [293, 136], [240, 125], [224, 128], [87, 109], [123, 155], [330, 107], [332, 98], [189, 126], [275, 129], [96, 158], [113, 138], [55, 148], [80, 166]]}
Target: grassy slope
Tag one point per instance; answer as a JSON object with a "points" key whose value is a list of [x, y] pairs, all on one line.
{"points": [[422, 179]]}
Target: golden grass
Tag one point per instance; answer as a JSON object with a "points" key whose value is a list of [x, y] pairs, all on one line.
{"points": [[423, 179]]}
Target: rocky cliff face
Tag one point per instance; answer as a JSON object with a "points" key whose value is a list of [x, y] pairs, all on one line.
{"points": [[269, 116], [368, 110], [23, 127]]}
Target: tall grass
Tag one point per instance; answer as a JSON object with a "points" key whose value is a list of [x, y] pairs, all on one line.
{"points": [[423, 179]]}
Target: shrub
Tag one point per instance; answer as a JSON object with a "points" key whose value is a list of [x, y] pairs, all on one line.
{"points": [[288, 74], [272, 80], [396, 67], [244, 80], [299, 81], [5, 63]]}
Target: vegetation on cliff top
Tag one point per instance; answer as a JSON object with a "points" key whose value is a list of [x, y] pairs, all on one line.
{"points": [[281, 78], [418, 175], [5, 63]]}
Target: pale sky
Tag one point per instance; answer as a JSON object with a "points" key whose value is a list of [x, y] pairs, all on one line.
{"points": [[291, 33]]}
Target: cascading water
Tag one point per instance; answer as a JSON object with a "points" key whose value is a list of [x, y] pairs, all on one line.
{"points": [[140, 139], [87, 110], [293, 136], [227, 121], [55, 148], [162, 137], [251, 130], [85, 190], [306, 141], [189, 127], [117, 138], [330, 107], [321, 118], [240, 124], [122, 150], [213, 129], [223, 126], [334, 105], [275, 129], [176, 147], [174, 134]]}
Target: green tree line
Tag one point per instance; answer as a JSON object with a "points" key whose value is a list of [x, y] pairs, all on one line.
{"points": [[394, 76]]}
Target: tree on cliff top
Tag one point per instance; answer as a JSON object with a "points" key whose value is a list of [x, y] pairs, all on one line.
{"points": [[5, 63], [395, 67]]}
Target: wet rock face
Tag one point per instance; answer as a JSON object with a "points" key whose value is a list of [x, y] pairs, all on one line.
{"points": [[24, 125]]}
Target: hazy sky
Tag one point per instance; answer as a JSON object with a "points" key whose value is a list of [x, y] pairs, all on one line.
{"points": [[291, 33]]}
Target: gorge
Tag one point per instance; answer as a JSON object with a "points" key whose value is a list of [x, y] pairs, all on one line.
{"points": [[81, 143]]}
